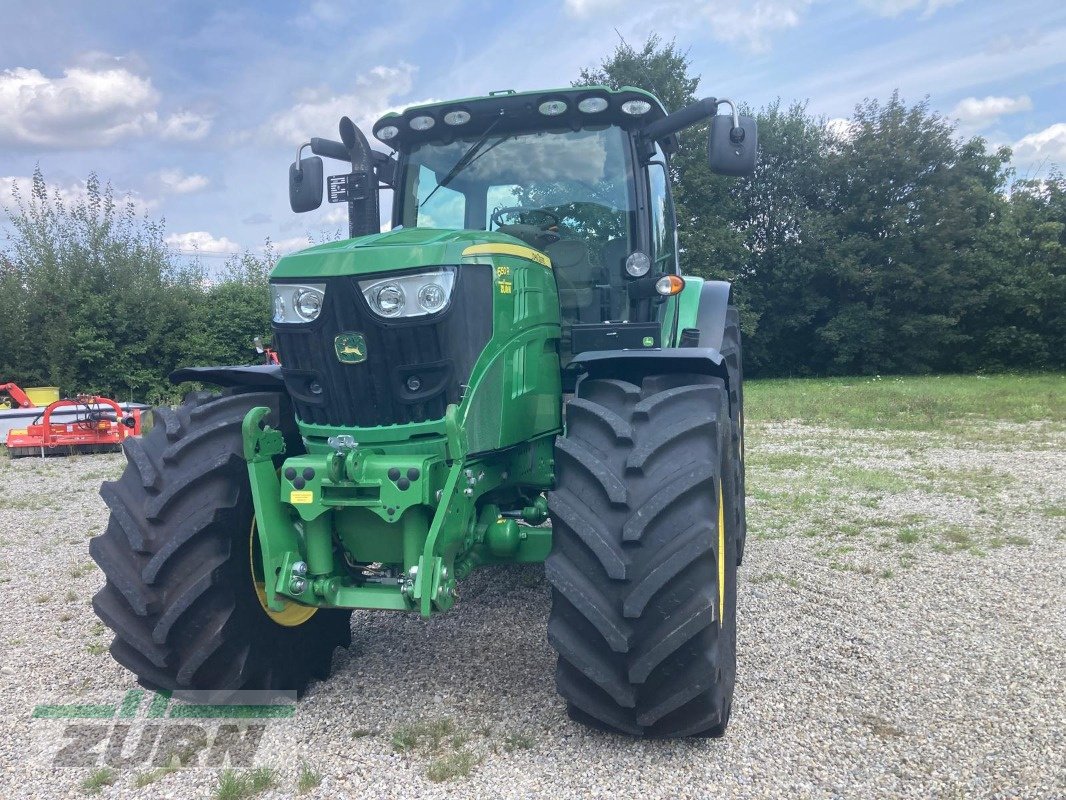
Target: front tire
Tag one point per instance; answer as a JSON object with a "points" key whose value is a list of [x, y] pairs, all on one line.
{"points": [[643, 561], [181, 592]]}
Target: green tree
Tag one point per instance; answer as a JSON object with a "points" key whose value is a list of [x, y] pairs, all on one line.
{"points": [[911, 205], [92, 301]]}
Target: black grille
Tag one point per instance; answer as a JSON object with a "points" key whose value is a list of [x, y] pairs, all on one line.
{"points": [[438, 350]]}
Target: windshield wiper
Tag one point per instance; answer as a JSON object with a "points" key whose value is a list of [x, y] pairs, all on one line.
{"points": [[464, 159]]}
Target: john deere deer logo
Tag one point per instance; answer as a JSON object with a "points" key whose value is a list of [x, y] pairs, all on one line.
{"points": [[351, 348]]}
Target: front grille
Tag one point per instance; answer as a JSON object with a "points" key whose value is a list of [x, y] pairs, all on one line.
{"points": [[440, 350]]}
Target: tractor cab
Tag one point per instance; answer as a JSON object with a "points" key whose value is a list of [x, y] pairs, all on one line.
{"points": [[580, 175]]}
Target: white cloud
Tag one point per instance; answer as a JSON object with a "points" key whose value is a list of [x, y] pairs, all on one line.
{"points": [[752, 24], [185, 126], [979, 112], [201, 242], [85, 108], [840, 128], [289, 245], [318, 112], [1043, 147], [177, 182], [584, 8], [747, 23], [893, 8]]}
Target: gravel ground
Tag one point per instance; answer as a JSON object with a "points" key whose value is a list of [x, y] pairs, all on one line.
{"points": [[902, 634]]}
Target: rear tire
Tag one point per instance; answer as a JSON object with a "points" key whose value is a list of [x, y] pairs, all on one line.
{"points": [[180, 595], [643, 561]]}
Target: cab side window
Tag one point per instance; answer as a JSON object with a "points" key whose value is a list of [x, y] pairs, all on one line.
{"points": [[663, 243]]}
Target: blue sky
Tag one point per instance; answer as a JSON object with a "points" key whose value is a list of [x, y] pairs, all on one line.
{"points": [[195, 108]]}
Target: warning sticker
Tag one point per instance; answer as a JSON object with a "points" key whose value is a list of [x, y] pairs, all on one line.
{"points": [[301, 498]]}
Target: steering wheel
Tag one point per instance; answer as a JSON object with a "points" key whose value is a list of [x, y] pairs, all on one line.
{"points": [[499, 212]]}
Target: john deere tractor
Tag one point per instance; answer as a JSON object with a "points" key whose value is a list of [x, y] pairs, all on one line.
{"points": [[515, 371]]}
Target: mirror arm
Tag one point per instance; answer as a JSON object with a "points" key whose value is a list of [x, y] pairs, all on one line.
{"points": [[329, 149], [682, 118], [299, 156]]}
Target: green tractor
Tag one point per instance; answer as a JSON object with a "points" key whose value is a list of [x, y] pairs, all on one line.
{"points": [[518, 348]]}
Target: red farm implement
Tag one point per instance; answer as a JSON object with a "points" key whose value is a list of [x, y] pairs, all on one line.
{"points": [[83, 424]]}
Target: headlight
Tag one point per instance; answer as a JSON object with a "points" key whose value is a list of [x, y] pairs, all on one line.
{"points": [[297, 302], [414, 295], [638, 264], [307, 303], [389, 300]]}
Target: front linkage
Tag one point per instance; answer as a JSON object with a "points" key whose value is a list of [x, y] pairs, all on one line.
{"points": [[440, 502]]}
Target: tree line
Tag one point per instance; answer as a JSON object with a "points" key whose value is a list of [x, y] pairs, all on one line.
{"points": [[886, 244], [93, 301]]}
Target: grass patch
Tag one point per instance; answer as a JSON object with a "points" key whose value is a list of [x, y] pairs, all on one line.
{"points": [[975, 484], [878, 481], [308, 779], [235, 786], [147, 778], [908, 536], [453, 765], [442, 742], [82, 569], [775, 577], [926, 403], [518, 741], [422, 735], [98, 780]]}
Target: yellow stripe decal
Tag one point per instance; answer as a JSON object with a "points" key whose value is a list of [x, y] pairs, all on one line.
{"points": [[502, 249], [721, 555]]}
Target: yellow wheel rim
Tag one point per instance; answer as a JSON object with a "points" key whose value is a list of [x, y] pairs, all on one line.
{"points": [[293, 614], [721, 555]]}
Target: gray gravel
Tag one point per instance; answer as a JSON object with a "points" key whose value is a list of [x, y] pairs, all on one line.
{"points": [[902, 634]]}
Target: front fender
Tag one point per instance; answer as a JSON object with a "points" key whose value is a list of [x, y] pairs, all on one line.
{"points": [[259, 376], [634, 365], [703, 305]]}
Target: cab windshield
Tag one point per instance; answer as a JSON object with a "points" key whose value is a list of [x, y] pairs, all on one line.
{"points": [[566, 193]]}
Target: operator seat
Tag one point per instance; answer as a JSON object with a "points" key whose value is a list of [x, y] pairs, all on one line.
{"points": [[577, 278]]}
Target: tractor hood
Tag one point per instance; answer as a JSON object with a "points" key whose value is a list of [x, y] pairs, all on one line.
{"points": [[382, 252]]}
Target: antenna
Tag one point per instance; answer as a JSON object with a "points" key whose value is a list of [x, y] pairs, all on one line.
{"points": [[647, 74]]}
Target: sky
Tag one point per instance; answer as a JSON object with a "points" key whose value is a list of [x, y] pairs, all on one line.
{"points": [[195, 109]]}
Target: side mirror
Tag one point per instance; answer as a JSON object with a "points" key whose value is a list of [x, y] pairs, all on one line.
{"points": [[732, 145], [305, 184]]}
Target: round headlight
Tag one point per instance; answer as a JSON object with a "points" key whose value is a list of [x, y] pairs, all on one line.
{"points": [[592, 105], [390, 300], [307, 303], [388, 132], [636, 107], [638, 264], [432, 297], [425, 122], [457, 117], [279, 308], [552, 108]]}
